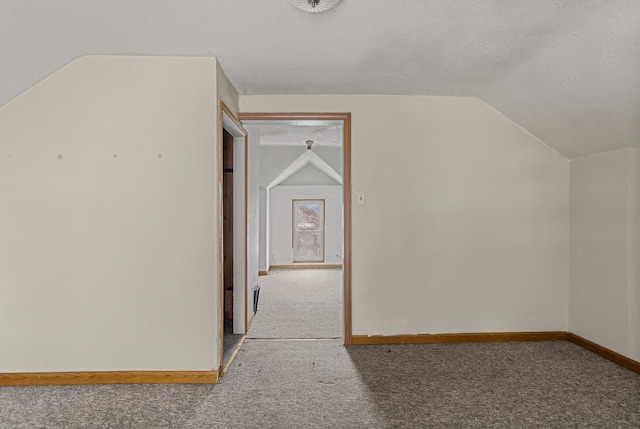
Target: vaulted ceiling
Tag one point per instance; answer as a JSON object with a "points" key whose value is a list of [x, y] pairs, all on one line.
{"points": [[568, 71]]}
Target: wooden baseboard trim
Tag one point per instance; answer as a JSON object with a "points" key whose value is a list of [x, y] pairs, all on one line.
{"points": [[460, 338], [108, 377], [296, 266], [211, 377], [263, 273], [604, 352]]}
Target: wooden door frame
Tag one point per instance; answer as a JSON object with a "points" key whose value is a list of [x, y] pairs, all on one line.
{"points": [[345, 117], [224, 111]]}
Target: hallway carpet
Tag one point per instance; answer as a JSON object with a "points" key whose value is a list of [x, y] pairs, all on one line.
{"points": [[303, 303], [322, 384]]}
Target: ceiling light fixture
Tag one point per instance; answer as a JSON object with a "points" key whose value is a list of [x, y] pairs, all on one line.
{"points": [[314, 5], [309, 144]]}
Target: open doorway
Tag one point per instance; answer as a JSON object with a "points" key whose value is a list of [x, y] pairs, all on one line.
{"points": [[304, 203], [233, 156]]}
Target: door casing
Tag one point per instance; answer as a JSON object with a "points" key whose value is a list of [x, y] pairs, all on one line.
{"points": [[345, 117]]}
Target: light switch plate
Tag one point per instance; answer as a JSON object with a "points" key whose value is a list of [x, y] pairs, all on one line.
{"points": [[360, 198]]}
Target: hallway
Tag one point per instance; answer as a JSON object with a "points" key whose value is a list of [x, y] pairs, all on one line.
{"points": [[303, 303], [294, 304]]}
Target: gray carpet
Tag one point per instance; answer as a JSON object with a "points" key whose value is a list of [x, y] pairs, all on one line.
{"points": [[294, 383], [230, 341], [321, 384], [303, 303]]}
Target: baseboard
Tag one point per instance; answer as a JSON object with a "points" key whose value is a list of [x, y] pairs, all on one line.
{"points": [[211, 377], [108, 377], [460, 338], [605, 352], [296, 266], [263, 273]]}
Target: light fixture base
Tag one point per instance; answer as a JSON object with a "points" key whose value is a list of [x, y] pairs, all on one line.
{"points": [[314, 5]]}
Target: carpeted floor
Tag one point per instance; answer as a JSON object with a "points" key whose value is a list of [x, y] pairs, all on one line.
{"points": [[230, 341], [311, 383], [321, 384], [299, 304]]}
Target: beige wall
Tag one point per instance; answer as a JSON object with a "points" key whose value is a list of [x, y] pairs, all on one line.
{"points": [[634, 258], [107, 194], [604, 251], [109, 184], [465, 227]]}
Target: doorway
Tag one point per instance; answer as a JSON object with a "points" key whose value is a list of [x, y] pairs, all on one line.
{"points": [[233, 156], [344, 121]]}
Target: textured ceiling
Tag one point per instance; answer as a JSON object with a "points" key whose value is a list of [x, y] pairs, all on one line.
{"points": [[297, 135], [568, 71]]}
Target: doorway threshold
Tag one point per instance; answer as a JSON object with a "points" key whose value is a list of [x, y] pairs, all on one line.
{"points": [[295, 339]]}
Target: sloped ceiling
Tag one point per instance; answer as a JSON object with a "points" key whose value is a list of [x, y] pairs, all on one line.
{"points": [[568, 71], [307, 158], [274, 159]]}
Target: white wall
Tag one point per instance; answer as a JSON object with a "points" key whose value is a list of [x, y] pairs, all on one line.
{"points": [[253, 215], [240, 286], [465, 227], [280, 215], [108, 248], [604, 292], [264, 253]]}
